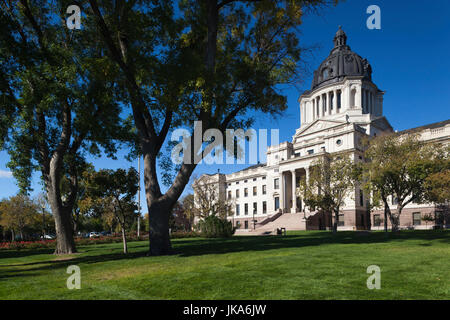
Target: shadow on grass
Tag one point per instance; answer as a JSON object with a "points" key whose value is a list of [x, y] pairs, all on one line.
{"points": [[313, 238], [203, 246]]}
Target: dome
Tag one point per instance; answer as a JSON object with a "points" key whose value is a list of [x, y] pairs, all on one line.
{"points": [[341, 62]]}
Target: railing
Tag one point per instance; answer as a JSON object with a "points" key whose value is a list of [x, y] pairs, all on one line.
{"points": [[270, 219]]}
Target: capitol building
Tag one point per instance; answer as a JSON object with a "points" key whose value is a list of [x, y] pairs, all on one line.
{"points": [[342, 107]]}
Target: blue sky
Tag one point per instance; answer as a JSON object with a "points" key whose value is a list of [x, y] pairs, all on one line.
{"points": [[409, 57]]}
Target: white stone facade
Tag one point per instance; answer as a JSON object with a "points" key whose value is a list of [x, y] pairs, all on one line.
{"points": [[334, 117]]}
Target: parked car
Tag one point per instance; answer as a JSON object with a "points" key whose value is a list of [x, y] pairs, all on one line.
{"points": [[105, 233], [48, 236], [94, 235]]}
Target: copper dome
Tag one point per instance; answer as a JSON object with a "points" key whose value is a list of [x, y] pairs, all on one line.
{"points": [[341, 62]]}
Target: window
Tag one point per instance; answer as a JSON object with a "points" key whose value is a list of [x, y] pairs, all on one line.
{"points": [[255, 208], [238, 209], [324, 74], [376, 220], [264, 178], [339, 99], [277, 203], [254, 191], [246, 209], [254, 179], [246, 224], [264, 207], [264, 189], [245, 181], [237, 193], [245, 192], [417, 218], [237, 182], [238, 224], [276, 183], [229, 194], [338, 142], [331, 100], [394, 200], [311, 151], [341, 222], [361, 198]]}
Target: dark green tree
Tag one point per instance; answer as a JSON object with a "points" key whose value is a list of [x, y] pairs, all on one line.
{"points": [[400, 166], [218, 62], [55, 104], [114, 193]]}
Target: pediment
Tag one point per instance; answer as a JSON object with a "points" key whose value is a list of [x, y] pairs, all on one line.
{"points": [[317, 125]]}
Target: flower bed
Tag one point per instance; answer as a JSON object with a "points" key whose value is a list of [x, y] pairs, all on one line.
{"points": [[117, 238], [18, 245]]}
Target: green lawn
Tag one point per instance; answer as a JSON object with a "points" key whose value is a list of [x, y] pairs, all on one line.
{"points": [[301, 265]]}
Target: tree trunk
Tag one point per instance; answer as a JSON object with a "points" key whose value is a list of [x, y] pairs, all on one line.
{"points": [[368, 220], [399, 212], [336, 219], [159, 230], [65, 243], [394, 227], [75, 223], [124, 240], [62, 213], [386, 218]]}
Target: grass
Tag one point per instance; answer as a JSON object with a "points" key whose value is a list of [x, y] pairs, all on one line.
{"points": [[301, 265]]}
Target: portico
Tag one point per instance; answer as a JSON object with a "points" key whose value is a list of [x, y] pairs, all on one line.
{"points": [[290, 181]]}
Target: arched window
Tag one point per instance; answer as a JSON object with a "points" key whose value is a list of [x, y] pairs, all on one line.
{"points": [[325, 73]]}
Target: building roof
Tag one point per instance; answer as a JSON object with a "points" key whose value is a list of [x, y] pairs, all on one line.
{"points": [[428, 126], [340, 63], [253, 167]]}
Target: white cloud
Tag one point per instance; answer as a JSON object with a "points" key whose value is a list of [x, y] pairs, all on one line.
{"points": [[5, 174]]}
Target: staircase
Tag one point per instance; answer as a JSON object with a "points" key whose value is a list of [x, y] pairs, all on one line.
{"points": [[290, 221]]}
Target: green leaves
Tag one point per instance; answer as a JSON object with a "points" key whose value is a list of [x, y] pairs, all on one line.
{"points": [[400, 165], [330, 183]]}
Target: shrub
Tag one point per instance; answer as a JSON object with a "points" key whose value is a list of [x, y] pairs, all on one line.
{"points": [[215, 227], [19, 245], [184, 234]]}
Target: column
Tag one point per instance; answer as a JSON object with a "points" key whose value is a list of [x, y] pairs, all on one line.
{"points": [[282, 192], [303, 112], [329, 102], [302, 106], [323, 104], [358, 97], [294, 193], [318, 107], [335, 107], [307, 181], [313, 115]]}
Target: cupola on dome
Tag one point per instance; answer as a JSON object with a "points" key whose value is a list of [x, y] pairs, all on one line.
{"points": [[341, 62]]}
